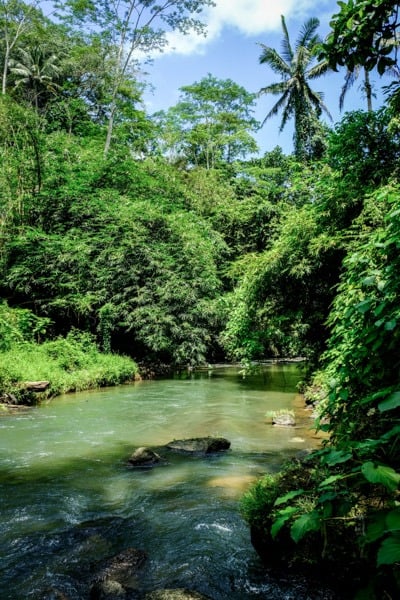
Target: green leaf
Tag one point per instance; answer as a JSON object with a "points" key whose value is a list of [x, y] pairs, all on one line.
{"points": [[283, 516], [393, 520], [380, 308], [327, 497], [368, 281], [288, 496], [335, 457], [330, 480], [390, 403], [390, 325], [394, 431], [377, 395], [381, 474], [389, 552], [376, 528], [381, 285], [364, 306], [304, 524], [381, 67], [324, 427], [327, 510]]}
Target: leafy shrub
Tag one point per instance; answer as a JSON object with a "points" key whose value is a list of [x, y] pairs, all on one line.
{"points": [[354, 484], [70, 364], [19, 325]]}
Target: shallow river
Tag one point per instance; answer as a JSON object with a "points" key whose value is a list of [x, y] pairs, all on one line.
{"points": [[68, 498]]}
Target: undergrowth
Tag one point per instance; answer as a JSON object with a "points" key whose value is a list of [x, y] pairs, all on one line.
{"points": [[72, 363]]}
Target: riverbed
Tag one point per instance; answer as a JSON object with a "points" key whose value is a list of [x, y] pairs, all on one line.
{"points": [[69, 498]]}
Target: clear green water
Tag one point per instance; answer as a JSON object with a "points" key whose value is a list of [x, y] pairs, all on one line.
{"points": [[69, 499]]}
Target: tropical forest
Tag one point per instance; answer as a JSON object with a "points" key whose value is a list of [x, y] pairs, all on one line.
{"points": [[137, 245]]}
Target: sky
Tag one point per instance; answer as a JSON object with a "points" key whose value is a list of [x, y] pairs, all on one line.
{"points": [[231, 50]]}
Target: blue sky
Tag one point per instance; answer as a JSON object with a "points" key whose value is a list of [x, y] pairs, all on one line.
{"points": [[231, 51]]}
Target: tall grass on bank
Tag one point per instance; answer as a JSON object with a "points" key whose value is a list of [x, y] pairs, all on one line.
{"points": [[70, 364]]}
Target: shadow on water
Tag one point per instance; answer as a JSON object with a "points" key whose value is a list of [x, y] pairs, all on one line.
{"points": [[275, 376], [70, 500]]}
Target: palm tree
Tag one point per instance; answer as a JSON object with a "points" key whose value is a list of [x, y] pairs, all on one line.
{"points": [[366, 87], [36, 72], [296, 68]]}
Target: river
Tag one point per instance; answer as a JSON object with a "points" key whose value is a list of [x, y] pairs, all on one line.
{"points": [[69, 499]]}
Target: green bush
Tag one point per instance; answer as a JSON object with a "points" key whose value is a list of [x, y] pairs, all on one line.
{"points": [[20, 325], [70, 364], [347, 505]]}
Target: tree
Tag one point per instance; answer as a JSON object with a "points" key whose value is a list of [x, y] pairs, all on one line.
{"points": [[132, 29], [16, 19], [211, 123], [363, 33], [36, 72], [21, 161], [111, 248], [349, 80], [364, 150], [282, 297], [364, 36], [296, 68]]}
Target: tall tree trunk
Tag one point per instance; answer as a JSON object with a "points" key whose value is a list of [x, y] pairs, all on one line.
{"points": [[368, 89], [5, 68]]}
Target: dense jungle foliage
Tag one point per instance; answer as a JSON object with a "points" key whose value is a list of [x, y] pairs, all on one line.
{"points": [[166, 239]]}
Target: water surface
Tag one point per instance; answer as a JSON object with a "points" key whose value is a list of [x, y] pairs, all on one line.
{"points": [[68, 498]]}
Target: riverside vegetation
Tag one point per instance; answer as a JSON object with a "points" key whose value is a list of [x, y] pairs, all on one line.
{"points": [[128, 236], [70, 363]]}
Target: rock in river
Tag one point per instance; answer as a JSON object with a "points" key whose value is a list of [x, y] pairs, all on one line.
{"points": [[284, 420], [203, 445], [145, 457], [117, 575]]}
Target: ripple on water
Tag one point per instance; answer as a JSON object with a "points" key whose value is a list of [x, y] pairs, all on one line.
{"points": [[71, 500], [218, 526]]}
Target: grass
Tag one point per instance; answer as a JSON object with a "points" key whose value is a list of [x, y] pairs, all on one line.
{"points": [[69, 364]]}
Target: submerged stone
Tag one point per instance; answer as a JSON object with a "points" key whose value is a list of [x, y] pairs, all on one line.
{"points": [[117, 575], [204, 445], [107, 590], [144, 457]]}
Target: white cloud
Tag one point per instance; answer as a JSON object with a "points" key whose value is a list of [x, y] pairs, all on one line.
{"points": [[250, 17]]}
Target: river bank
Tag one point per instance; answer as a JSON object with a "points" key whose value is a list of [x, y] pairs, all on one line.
{"points": [[68, 364]]}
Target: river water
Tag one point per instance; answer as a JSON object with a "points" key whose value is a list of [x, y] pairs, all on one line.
{"points": [[69, 499]]}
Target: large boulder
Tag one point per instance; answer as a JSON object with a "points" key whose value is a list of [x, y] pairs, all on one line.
{"points": [[203, 445], [144, 457], [174, 594]]}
